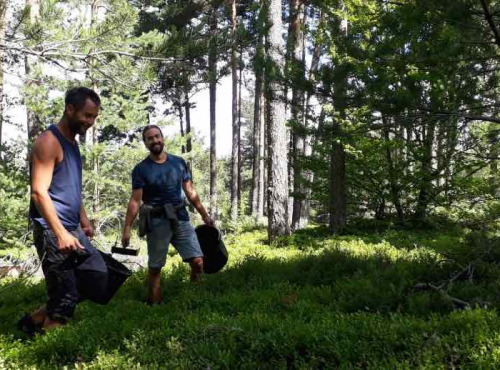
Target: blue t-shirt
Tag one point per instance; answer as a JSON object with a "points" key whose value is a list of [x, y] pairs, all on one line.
{"points": [[161, 183]]}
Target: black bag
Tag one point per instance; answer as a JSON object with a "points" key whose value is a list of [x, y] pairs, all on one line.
{"points": [[213, 248], [117, 274], [73, 260], [144, 220]]}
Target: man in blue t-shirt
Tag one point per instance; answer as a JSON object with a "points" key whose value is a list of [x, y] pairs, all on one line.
{"points": [[158, 181]]}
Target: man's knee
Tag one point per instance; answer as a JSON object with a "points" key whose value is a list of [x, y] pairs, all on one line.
{"points": [[196, 264]]}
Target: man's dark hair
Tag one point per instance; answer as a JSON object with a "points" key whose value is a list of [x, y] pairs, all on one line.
{"points": [[147, 128], [78, 95]]}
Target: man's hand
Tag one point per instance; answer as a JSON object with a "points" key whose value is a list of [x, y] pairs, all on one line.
{"points": [[208, 221], [88, 230], [126, 237], [67, 242], [85, 224], [193, 197]]}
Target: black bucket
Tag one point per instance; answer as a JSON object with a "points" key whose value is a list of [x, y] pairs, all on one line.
{"points": [[117, 274], [213, 248]]}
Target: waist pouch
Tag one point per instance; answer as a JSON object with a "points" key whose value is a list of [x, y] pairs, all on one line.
{"points": [[147, 211]]}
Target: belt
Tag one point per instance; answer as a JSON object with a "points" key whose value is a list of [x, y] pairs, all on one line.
{"points": [[158, 212]]}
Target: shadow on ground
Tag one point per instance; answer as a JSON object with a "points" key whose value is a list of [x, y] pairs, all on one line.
{"points": [[324, 308]]}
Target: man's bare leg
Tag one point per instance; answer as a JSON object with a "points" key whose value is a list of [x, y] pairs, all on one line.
{"points": [[38, 317], [196, 268], [51, 324], [37, 322], [154, 286]]}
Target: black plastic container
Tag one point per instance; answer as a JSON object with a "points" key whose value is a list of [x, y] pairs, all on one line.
{"points": [[118, 273], [213, 248]]}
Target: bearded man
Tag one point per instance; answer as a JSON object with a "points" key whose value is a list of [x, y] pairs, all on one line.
{"points": [[74, 270], [158, 182]]}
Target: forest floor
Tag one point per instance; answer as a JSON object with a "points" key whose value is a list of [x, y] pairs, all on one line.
{"points": [[377, 297]]}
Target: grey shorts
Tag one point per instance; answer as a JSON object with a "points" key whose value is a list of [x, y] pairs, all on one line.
{"points": [[184, 240]]}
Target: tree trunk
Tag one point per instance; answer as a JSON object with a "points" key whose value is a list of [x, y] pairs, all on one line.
{"points": [[452, 136], [337, 184], [263, 154], [494, 170], [212, 67], [308, 147], [265, 168], [240, 163], [409, 168], [380, 210], [337, 164], [494, 152], [278, 145], [3, 9], [297, 67], [95, 164], [234, 107], [490, 18], [187, 108], [392, 174], [88, 137], [96, 174], [258, 131], [426, 171], [94, 137], [32, 121], [262, 202], [181, 123]]}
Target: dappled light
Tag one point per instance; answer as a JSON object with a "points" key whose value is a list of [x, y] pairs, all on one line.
{"points": [[249, 184], [340, 301]]}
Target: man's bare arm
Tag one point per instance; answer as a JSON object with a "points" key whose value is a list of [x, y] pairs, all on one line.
{"points": [[44, 155], [85, 223], [193, 197], [132, 211]]}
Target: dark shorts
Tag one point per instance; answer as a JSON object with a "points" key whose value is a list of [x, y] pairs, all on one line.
{"points": [[68, 286]]}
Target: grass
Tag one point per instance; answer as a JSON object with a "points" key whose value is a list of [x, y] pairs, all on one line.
{"points": [[309, 301]]}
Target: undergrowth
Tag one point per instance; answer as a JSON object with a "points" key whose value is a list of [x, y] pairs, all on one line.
{"points": [[311, 300]]}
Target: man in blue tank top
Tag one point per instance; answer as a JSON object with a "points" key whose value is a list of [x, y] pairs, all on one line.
{"points": [[158, 181], [73, 268]]}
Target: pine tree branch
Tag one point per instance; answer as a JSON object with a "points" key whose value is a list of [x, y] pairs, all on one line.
{"points": [[462, 115], [51, 53], [456, 301], [489, 18]]}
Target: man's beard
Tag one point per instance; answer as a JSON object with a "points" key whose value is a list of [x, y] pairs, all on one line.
{"points": [[76, 127], [156, 149]]}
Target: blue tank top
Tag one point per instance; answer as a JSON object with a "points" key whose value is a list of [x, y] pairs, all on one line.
{"points": [[66, 187]]}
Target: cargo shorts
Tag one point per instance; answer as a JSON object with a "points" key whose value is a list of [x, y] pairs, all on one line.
{"points": [[184, 240]]}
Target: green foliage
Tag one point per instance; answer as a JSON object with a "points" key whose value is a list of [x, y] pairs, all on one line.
{"points": [[321, 302], [408, 69], [14, 198], [394, 83]]}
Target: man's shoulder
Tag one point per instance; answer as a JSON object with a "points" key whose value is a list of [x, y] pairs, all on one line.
{"points": [[46, 144], [175, 158], [142, 164], [46, 137]]}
